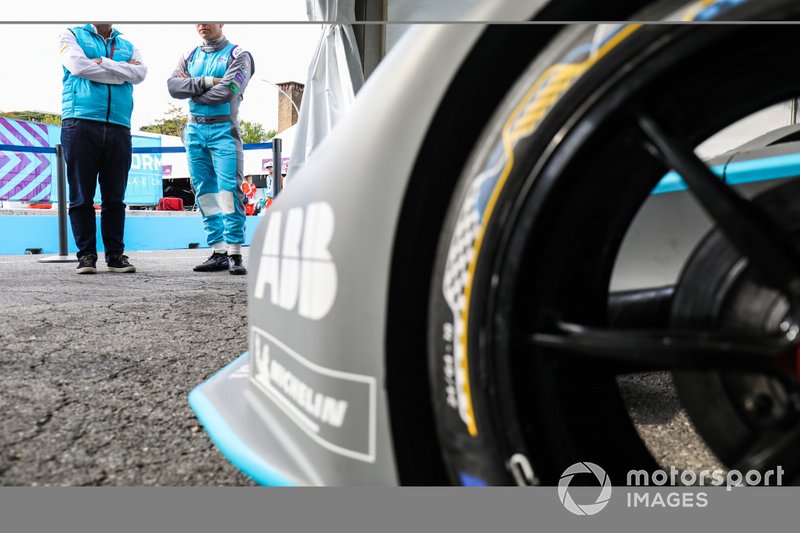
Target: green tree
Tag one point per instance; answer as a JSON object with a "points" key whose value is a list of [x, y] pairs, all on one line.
{"points": [[33, 116], [172, 123], [253, 132]]}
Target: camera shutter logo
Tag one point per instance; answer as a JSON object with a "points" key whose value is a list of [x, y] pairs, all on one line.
{"points": [[602, 498]]}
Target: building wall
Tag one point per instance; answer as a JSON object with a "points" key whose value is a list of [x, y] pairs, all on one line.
{"points": [[287, 113]]}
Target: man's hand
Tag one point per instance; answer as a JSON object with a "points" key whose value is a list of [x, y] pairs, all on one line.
{"points": [[98, 60], [182, 73], [217, 80], [134, 62]]}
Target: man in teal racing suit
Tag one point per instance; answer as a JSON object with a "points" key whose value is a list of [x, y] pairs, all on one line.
{"points": [[214, 76]]}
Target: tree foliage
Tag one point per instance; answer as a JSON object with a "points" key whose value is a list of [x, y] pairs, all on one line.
{"points": [[252, 132], [33, 116], [172, 123]]}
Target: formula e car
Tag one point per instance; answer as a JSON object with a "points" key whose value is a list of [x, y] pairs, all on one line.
{"points": [[522, 219]]}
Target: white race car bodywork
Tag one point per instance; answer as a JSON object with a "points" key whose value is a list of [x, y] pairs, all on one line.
{"points": [[310, 403]]}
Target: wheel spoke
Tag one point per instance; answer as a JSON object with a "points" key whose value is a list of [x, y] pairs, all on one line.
{"points": [[671, 349], [640, 308], [770, 251], [776, 448]]}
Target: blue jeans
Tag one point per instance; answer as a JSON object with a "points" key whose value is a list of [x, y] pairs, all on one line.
{"points": [[97, 152]]}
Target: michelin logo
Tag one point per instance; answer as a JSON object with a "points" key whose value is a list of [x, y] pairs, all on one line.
{"points": [[335, 409], [326, 409]]}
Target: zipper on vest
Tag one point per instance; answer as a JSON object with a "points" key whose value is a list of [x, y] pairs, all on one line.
{"points": [[108, 86], [108, 111]]}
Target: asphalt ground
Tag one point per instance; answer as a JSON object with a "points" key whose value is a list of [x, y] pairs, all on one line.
{"points": [[95, 370]]}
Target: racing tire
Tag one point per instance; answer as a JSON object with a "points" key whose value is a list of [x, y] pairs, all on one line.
{"points": [[523, 268]]}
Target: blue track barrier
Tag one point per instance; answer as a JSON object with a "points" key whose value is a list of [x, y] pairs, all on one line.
{"points": [[139, 150], [155, 232]]}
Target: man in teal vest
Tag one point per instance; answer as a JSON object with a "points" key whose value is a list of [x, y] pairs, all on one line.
{"points": [[214, 76], [100, 68]]}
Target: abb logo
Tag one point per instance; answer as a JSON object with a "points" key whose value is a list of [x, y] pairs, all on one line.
{"points": [[296, 266]]}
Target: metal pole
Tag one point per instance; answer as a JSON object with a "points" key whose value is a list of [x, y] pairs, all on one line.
{"points": [[277, 165], [61, 177]]}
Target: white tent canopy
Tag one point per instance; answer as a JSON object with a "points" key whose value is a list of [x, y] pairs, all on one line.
{"points": [[334, 77]]}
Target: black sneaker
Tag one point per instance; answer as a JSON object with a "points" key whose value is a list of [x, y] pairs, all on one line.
{"points": [[216, 263], [235, 265], [87, 264], [119, 263]]}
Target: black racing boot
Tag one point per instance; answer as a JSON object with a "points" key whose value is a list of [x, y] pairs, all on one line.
{"points": [[235, 266], [216, 263]]}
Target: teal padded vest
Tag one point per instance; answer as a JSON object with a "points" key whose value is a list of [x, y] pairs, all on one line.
{"points": [[90, 100]]}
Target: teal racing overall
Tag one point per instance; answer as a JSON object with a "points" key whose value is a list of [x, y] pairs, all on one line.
{"points": [[212, 140]]}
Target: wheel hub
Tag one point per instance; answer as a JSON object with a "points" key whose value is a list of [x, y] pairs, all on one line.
{"points": [[718, 290]]}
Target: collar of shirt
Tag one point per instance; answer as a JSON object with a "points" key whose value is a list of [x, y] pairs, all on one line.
{"points": [[106, 39], [213, 46]]}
